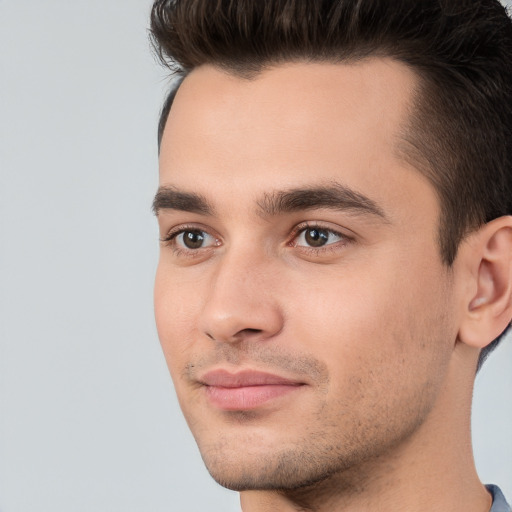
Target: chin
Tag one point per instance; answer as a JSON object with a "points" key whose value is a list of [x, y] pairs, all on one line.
{"points": [[244, 469], [291, 462], [266, 475]]}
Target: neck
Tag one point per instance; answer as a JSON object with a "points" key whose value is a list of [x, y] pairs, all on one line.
{"points": [[431, 470]]}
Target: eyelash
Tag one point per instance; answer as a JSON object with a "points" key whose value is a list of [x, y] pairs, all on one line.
{"points": [[170, 240]]}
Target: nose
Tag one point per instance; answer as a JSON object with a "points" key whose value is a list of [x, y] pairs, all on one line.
{"points": [[241, 302]]}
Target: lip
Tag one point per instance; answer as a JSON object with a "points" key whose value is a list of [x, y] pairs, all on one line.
{"points": [[245, 390]]}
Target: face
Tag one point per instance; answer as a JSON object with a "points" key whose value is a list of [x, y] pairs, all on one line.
{"points": [[301, 302]]}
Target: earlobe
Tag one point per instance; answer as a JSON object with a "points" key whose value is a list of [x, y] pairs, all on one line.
{"points": [[488, 308]]}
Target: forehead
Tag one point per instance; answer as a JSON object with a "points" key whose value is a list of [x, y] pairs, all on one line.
{"points": [[294, 124]]}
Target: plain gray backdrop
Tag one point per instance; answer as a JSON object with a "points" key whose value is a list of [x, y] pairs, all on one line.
{"points": [[88, 417]]}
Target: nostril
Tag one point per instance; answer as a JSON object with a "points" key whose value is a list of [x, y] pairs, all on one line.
{"points": [[240, 335], [249, 332]]}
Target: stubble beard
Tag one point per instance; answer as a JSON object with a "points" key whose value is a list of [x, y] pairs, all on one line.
{"points": [[315, 463], [337, 447]]}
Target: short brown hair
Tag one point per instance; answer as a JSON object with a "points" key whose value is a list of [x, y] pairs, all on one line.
{"points": [[460, 135]]}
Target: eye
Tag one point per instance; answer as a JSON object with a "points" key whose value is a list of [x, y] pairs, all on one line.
{"points": [[314, 236], [190, 239]]}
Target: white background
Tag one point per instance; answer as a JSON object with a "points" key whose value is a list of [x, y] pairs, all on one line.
{"points": [[88, 418]]}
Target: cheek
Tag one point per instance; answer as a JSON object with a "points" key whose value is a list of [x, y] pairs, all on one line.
{"points": [[392, 322], [175, 316]]}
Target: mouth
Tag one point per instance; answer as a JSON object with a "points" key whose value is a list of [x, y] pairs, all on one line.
{"points": [[245, 390]]}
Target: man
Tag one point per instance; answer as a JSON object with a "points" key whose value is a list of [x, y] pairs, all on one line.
{"points": [[336, 243]]}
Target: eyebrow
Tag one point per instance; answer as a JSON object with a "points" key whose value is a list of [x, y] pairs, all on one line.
{"points": [[334, 196], [170, 198]]}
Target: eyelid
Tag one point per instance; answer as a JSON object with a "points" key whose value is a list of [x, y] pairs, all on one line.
{"points": [[175, 231], [299, 228], [180, 228]]}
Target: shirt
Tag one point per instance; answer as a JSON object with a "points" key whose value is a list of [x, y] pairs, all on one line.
{"points": [[499, 503]]}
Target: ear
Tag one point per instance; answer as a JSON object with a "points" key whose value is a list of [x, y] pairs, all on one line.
{"points": [[487, 303]]}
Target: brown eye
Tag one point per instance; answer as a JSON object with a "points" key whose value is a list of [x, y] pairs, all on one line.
{"points": [[193, 239], [316, 237]]}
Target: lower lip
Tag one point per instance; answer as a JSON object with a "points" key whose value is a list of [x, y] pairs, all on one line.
{"points": [[247, 397]]}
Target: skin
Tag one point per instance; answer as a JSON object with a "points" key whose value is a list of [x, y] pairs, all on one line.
{"points": [[369, 324]]}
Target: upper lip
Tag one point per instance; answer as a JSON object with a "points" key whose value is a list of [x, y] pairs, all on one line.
{"points": [[226, 379]]}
